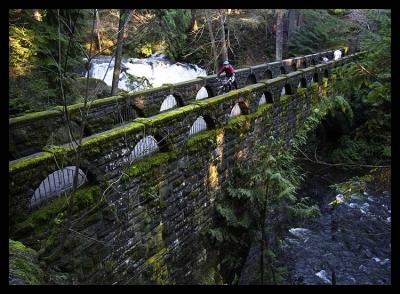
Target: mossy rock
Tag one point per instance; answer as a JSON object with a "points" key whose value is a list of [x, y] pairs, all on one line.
{"points": [[23, 265]]}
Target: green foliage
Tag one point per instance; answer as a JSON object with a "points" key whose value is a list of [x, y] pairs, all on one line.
{"points": [[367, 82], [321, 31], [303, 209], [174, 25], [23, 264]]}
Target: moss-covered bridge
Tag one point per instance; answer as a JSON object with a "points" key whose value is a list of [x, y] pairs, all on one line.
{"points": [[148, 186]]}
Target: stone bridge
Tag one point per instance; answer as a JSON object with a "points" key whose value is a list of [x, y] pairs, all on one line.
{"points": [[28, 134], [148, 186]]}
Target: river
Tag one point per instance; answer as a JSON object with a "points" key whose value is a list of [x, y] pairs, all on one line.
{"points": [[156, 70], [349, 244]]}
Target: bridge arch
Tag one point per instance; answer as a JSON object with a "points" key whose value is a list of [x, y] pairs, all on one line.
{"points": [[199, 125], [286, 90], [145, 146], [304, 63], [168, 103], [203, 93], [56, 183], [239, 108], [315, 78], [266, 98], [302, 83], [294, 66], [267, 74], [251, 79], [282, 70]]}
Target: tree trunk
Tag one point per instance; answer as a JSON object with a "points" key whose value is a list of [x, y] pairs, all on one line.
{"points": [[223, 37], [98, 30], [262, 248], [266, 35], [213, 47], [279, 34], [118, 53], [292, 21]]}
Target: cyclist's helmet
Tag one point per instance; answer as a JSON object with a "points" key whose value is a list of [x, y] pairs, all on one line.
{"points": [[226, 62]]}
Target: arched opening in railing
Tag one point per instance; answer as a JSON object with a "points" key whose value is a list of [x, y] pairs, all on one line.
{"points": [[202, 93], [294, 66], [304, 64], [57, 183], [266, 97], [302, 83], [267, 74], [282, 70], [239, 108], [326, 73], [313, 62], [145, 146], [168, 103], [286, 90], [199, 125], [315, 78], [251, 79]]}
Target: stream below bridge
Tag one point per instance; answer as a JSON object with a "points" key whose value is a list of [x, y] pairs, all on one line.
{"points": [[353, 240]]}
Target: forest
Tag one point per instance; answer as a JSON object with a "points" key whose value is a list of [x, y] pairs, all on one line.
{"points": [[286, 195]]}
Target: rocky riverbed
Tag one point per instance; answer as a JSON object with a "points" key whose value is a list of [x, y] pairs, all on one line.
{"points": [[348, 244]]}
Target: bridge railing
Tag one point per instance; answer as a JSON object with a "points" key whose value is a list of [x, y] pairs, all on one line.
{"points": [[105, 154], [29, 133]]}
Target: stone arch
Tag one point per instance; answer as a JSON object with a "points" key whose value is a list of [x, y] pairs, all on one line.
{"points": [[145, 146], [294, 66], [56, 183], [251, 79], [168, 103], [199, 125], [202, 93], [267, 74], [286, 90], [302, 83], [178, 98], [315, 78], [326, 73], [265, 98], [282, 70], [239, 108], [304, 63]]}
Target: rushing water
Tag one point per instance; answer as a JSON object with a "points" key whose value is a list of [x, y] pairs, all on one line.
{"points": [[349, 243], [157, 69]]}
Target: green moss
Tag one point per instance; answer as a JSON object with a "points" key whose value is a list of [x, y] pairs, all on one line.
{"points": [[22, 264], [241, 123], [215, 101], [30, 161], [201, 141], [87, 196], [149, 162], [34, 116], [16, 247], [171, 115], [95, 144], [158, 270]]}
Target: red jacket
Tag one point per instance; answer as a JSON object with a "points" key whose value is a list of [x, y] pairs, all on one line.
{"points": [[228, 71]]}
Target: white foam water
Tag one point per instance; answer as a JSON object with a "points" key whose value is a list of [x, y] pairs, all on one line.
{"points": [[157, 69]]}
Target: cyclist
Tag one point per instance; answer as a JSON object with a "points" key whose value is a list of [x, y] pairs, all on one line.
{"points": [[229, 72]]}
